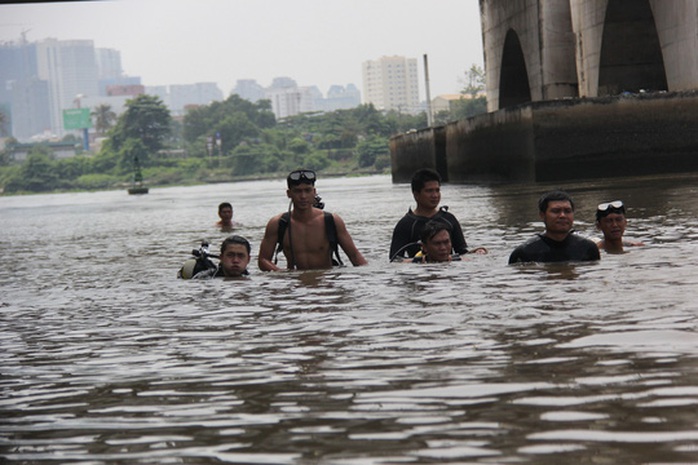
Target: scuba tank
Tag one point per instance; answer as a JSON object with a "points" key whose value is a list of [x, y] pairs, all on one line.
{"points": [[201, 261]]}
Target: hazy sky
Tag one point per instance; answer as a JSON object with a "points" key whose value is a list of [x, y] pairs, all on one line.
{"points": [[315, 42]]}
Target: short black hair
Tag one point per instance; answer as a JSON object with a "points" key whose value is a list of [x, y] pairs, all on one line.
{"points": [[421, 177], [552, 196], [224, 205], [235, 240], [432, 228]]}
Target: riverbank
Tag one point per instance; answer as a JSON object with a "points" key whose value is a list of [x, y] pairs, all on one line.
{"points": [[219, 179]]}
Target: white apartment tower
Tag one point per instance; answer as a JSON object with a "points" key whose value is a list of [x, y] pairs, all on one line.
{"points": [[392, 83]]}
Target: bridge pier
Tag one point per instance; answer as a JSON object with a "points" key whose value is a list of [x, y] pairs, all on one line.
{"points": [[575, 89], [624, 135]]}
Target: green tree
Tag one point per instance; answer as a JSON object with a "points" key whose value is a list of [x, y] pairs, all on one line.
{"points": [[370, 149], [147, 119], [235, 120], [299, 145], [72, 168], [103, 117], [258, 158], [474, 83], [4, 123], [132, 156], [472, 101], [6, 153], [37, 174]]}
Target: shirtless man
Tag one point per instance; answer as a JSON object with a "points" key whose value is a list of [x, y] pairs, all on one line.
{"points": [[225, 213], [611, 221], [305, 243]]}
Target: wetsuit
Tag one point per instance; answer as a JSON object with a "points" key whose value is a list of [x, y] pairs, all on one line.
{"points": [[213, 273], [425, 259], [409, 229], [543, 249]]}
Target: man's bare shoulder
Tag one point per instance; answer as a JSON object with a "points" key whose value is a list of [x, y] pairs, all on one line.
{"points": [[338, 220], [276, 218]]}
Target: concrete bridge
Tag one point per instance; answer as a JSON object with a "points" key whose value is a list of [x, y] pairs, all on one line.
{"points": [[575, 89]]}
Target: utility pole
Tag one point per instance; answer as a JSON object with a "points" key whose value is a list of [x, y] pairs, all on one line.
{"points": [[430, 116]]}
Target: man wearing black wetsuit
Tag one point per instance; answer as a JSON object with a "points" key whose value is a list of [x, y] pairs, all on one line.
{"points": [[426, 189], [556, 243], [234, 258]]}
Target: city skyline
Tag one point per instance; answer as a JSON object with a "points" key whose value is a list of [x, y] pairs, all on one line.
{"points": [[315, 43], [44, 80]]}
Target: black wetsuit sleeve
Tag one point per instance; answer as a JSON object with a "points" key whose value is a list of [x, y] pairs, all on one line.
{"points": [[516, 256], [401, 237], [594, 253], [458, 239]]}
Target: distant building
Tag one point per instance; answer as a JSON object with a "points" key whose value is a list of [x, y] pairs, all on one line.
{"points": [[161, 92], [70, 68], [17, 62], [117, 103], [288, 98], [341, 98], [125, 81], [283, 82], [248, 89], [130, 89], [179, 97], [392, 83], [200, 93], [59, 150], [445, 102], [284, 102], [108, 63], [285, 97], [23, 96], [30, 100]]}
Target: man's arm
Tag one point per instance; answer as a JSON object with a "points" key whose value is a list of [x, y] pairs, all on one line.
{"points": [[457, 238], [265, 260], [347, 243], [517, 256]]}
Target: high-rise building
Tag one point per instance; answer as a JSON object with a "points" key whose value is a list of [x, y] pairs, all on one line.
{"points": [[342, 98], [123, 81], [70, 68], [284, 101], [200, 93], [23, 97], [109, 63], [248, 89], [392, 83], [39, 80], [29, 108]]}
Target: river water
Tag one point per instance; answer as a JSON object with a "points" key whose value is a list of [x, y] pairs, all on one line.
{"points": [[107, 358]]}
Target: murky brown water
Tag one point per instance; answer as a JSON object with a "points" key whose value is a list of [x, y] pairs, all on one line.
{"points": [[106, 358]]}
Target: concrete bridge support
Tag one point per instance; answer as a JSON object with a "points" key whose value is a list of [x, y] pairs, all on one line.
{"points": [[548, 49], [529, 51], [575, 89], [622, 135]]}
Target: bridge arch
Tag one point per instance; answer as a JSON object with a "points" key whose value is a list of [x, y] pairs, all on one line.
{"points": [[514, 87], [631, 55]]}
